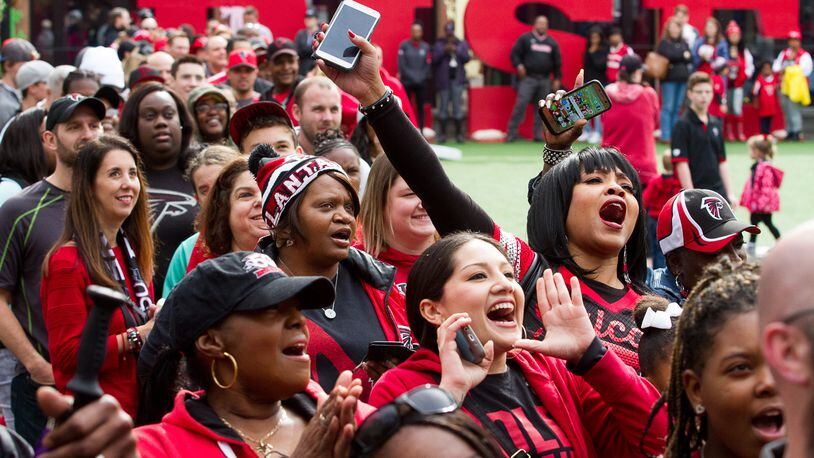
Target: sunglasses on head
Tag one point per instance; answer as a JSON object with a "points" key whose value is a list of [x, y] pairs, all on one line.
{"points": [[382, 424]]}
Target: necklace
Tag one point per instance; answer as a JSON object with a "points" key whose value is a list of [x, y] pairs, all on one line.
{"points": [[330, 313], [262, 447]]}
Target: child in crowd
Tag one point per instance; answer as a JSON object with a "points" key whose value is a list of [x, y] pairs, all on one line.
{"points": [[657, 318], [722, 399], [718, 107], [765, 96], [656, 194], [760, 194]]}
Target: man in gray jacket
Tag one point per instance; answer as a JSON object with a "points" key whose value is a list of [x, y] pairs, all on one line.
{"points": [[414, 69]]}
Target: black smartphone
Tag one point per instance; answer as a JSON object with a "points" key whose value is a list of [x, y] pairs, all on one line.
{"points": [[381, 351], [584, 102], [336, 49], [469, 345]]}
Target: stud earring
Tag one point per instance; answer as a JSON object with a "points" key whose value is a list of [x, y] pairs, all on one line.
{"points": [[699, 409]]}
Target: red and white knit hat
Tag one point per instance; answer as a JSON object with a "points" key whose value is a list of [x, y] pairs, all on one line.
{"points": [[698, 220], [281, 179]]}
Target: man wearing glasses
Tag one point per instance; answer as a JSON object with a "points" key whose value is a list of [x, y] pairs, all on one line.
{"points": [[786, 311]]}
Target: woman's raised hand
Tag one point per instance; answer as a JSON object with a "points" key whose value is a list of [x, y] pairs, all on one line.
{"points": [[568, 329], [459, 376], [364, 81], [331, 430], [566, 139]]}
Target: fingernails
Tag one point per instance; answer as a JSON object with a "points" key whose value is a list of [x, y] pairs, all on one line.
{"points": [[351, 34]]}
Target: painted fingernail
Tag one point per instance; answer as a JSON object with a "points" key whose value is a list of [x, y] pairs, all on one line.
{"points": [[351, 34]]}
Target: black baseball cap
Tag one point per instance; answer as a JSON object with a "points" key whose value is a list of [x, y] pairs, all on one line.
{"points": [[63, 108], [631, 63], [242, 281], [110, 94], [698, 220], [281, 46]]}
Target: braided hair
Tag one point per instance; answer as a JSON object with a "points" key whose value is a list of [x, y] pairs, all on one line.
{"points": [[331, 139], [727, 288]]}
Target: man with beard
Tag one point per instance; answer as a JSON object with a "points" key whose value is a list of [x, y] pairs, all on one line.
{"points": [[30, 224], [241, 76], [282, 68], [317, 108], [786, 312]]}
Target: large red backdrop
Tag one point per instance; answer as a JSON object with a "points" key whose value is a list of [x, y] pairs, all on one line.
{"points": [[491, 28]]}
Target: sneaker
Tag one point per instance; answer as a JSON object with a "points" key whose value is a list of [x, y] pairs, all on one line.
{"points": [[595, 138]]}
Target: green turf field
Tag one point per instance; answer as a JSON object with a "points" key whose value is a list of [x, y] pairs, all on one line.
{"points": [[496, 176]]}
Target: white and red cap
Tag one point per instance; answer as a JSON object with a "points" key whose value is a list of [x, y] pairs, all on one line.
{"points": [[795, 34], [281, 179], [698, 220]]}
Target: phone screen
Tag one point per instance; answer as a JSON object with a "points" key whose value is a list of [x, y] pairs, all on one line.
{"points": [[584, 103], [337, 43]]}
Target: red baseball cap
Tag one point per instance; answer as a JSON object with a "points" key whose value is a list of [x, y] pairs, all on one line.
{"points": [[795, 35], [242, 117], [242, 57], [698, 220]]}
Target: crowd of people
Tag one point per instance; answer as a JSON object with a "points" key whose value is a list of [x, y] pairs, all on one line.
{"points": [[303, 275]]}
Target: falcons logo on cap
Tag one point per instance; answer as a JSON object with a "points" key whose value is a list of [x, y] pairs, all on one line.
{"points": [[713, 206]]}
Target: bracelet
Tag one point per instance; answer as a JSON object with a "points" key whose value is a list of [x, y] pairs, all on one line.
{"points": [[555, 156], [134, 338], [383, 100]]}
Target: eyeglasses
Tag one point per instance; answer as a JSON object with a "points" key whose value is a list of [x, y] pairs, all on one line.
{"points": [[382, 424], [205, 107], [794, 316]]}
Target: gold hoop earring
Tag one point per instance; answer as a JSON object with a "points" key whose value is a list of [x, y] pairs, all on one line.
{"points": [[215, 377]]}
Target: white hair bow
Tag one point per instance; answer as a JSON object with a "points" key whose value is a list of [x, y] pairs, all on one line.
{"points": [[661, 319]]}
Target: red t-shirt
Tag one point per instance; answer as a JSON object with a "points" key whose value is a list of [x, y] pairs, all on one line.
{"points": [[65, 307], [765, 90]]}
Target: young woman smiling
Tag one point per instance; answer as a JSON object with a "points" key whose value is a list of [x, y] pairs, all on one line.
{"points": [[585, 221], [311, 207], [563, 396], [396, 229], [106, 241]]}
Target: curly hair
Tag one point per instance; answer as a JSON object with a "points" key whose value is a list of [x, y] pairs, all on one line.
{"points": [[214, 221], [725, 290]]}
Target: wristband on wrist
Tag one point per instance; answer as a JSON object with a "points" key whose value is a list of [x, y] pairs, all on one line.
{"points": [[134, 338], [592, 355], [555, 156], [383, 100]]}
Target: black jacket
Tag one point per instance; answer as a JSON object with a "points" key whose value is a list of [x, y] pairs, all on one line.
{"points": [[596, 65], [678, 53], [541, 57]]}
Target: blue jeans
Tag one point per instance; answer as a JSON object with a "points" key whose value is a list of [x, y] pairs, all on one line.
{"points": [[672, 97], [29, 421], [455, 95], [655, 249], [9, 368]]}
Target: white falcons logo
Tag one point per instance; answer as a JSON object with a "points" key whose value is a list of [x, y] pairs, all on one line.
{"points": [[166, 203], [713, 206]]}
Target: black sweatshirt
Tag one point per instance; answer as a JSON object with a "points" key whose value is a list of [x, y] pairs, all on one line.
{"points": [[541, 57]]}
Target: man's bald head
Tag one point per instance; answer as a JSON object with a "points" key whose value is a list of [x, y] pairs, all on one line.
{"points": [[787, 276]]}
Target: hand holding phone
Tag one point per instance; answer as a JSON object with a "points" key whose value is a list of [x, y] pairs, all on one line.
{"points": [[560, 114], [336, 48], [469, 345], [464, 361]]}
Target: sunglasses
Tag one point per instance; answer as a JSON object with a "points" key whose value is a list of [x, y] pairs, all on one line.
{"points": [[382, 424]]}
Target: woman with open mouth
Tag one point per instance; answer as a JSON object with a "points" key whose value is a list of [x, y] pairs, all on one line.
{"points": [[586, 219], [310, 206], [236, 322], [564, 396], [722, 399], [106, 241]]}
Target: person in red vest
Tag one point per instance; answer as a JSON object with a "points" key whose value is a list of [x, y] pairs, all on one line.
{"points": [[765, 96], [739, 67], [618, 50]]}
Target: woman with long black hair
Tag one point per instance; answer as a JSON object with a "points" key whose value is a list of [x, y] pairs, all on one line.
{"points": [[23, 161], [586, 219]]}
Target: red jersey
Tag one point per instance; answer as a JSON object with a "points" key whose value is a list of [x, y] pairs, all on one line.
{"points": [[765, 92], [658, 191], [738, 69], [718, 96], [615, 56]]}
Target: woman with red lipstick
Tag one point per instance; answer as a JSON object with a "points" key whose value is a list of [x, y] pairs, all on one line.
{"points": [[395, 226], [310, 207], [565, 396], [586, 219], [236, 324], [106, 241], [722, 398]]}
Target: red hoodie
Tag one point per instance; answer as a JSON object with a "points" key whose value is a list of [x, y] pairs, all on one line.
{"points": [[601, 413], [181, 433], [629, 126]]}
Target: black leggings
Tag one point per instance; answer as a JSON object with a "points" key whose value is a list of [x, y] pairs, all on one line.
{"points": [[765, 218]]}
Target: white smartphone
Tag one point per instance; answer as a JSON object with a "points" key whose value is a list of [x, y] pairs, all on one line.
{"points": [[336, 49]]}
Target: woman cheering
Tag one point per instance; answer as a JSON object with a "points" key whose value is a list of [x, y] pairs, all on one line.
{"points": [[106, 241]]}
